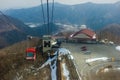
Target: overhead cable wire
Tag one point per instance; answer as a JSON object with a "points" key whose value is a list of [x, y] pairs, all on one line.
{"points": [[9, 23], [52, 11], [43, 11], [43, 15], [48, 29], [48, 16], [52, 16]]}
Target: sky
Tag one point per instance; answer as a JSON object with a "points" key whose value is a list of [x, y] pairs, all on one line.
{"points": [[15, 4]]}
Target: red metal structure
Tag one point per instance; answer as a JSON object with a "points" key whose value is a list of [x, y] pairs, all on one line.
{"points": [[31, 54]]}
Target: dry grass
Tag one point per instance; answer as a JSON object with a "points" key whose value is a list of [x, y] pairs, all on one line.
{"points": [[73, 74], [9, 63], [12, 60], [111, 75]]}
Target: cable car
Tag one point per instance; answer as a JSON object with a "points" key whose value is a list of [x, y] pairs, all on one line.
{"points": [[31, 54]]}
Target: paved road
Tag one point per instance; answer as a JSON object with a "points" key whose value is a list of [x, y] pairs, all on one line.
{"points": [[93, 51]]}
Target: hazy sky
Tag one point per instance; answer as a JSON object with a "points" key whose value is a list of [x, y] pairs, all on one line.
{"points": [[9, 4]]}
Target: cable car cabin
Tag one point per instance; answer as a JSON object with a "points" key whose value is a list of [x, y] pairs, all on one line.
{"points": [[30, 54]]}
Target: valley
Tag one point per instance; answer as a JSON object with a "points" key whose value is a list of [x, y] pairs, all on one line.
{"points": [[54, 41]]}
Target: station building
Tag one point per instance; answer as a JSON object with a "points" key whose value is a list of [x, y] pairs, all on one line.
{"points": [[83, 35]]}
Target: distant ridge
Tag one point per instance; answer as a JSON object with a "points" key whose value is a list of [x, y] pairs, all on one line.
{"points": [[95, 16]]}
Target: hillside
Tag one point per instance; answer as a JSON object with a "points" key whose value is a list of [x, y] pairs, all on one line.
{"points": [[12, 60], [110, 32], [12, 30], [113, 28], [93, 15]]}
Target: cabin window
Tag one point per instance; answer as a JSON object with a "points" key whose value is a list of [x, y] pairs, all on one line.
{"points": [[30, 54]]}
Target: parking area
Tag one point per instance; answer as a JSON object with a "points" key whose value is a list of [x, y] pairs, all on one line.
{"points": [[83, 52]]}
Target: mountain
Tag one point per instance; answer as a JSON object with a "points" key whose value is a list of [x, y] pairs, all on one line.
{"points": [[12, 30], [93, 15]]}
